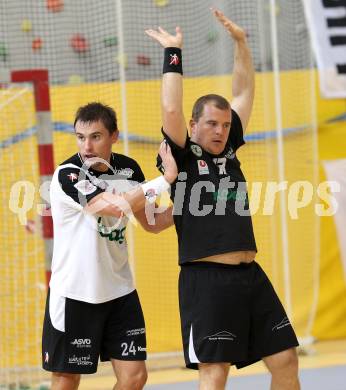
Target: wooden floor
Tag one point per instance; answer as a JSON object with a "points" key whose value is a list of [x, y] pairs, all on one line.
{"points": [[320, 354]]}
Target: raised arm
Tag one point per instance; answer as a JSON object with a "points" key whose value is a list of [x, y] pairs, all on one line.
{"points": [[172, 85], [243, 83]]}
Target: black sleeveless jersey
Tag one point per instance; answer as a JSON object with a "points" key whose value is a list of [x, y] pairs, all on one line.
{"points": [[211, 208]]}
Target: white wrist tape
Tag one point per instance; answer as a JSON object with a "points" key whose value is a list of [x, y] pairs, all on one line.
{"points": [[154, 188]]}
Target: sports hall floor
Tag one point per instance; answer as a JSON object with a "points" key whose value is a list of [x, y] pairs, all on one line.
{"points": [[322, 367]]}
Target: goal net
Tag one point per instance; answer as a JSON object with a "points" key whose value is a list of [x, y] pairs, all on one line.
{"points": [[97, 51], [22, 269]]}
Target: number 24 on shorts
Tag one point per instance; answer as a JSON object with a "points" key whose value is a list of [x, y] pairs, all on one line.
{"points": [[128, 349]]}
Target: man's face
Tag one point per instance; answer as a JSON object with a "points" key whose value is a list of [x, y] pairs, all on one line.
{"points": [[94, 140], [212, 129]]}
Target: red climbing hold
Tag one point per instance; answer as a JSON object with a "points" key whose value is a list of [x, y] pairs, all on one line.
{"points": [[37, 44], [55, 5], [79, 43]]}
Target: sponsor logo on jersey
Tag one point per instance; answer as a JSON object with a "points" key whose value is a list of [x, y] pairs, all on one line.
{"points": [[127, 172], [135, 332], [223, 335], [196, 150], [282, 324], [72, 176], [46, 357], [117, 235], [85, 187], [81, 343], [80, 360], [202, 167]]}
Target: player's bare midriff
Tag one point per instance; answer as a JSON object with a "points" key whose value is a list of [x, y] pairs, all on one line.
{"points": [[236, 257]]}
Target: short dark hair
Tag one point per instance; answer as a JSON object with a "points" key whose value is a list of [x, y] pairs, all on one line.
{"points": [[219, 102], [94, 111]]}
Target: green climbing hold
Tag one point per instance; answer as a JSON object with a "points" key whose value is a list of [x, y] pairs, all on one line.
{"points": [[3, 51], [110, 41], [212, 36]]}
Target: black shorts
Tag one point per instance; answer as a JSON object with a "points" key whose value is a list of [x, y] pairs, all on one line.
{"points": [[230, 313], [113, 329]]}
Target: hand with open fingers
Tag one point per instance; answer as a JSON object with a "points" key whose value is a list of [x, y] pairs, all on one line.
{"points": [[166, 39], [235, 31], [168, 162]]}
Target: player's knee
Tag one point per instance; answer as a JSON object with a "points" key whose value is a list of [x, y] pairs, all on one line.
{"points": [[285, 363], [65, 380], [139, 380], [285, 374], [290, 361], [213, 374], [133, 381]]}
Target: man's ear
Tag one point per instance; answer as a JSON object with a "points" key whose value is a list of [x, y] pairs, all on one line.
{"points": [[192, 124], [115, 136]]}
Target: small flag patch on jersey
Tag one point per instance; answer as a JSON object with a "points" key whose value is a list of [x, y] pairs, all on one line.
{"points": [[85, 187], [202, 167], [72, 176]]}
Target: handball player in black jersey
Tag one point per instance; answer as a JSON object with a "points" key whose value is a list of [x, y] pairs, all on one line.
{"points": [[230, 313]]}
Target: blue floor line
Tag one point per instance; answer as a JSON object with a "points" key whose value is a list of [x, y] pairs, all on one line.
{"points": [[68, 129]]}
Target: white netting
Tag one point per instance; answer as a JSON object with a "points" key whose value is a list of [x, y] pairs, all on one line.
{"points": [[22, 286]]}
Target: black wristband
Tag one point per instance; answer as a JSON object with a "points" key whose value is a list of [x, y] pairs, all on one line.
{"points": [[173, 60]]}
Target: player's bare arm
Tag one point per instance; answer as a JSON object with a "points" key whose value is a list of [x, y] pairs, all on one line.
{"points": [[161, 220], [132, 201], [172, 88], [243, 82]]}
